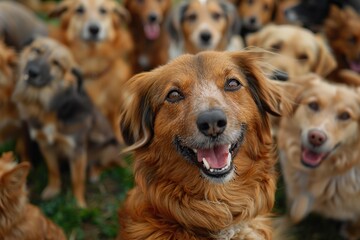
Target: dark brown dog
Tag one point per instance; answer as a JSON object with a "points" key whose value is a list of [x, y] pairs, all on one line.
{"points": [[60, 115], [204, 159], [149, 33]]}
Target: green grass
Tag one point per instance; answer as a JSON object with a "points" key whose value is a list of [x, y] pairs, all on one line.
{"points": [[99, 220]]}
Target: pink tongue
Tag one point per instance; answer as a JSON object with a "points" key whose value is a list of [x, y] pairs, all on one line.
{"points": [[152, 30], [355, 66], [216, 157], [312, 158]]}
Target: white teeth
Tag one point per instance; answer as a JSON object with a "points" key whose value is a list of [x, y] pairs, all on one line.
{"points": [[195, 151], [206, 164], [229, 146], [228, 160], [211, 170]]}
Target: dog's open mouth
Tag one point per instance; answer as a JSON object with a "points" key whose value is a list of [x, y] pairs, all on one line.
{"points": [[216, 163], [313, 159], [152, 30]]}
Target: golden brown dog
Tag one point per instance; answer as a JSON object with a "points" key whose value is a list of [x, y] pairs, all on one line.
{"points": [[255, 14], [342, 28], [148, 30], [320, 148], [204, 160], [61, 117], [20, 219], [199, 25], [95, 33], [298, 51]]}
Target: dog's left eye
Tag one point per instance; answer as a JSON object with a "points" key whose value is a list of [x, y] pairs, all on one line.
{"points": [[266, 7], [232, 84], [174, 96], [80, 10], [344, 116], [216, 16], [303, 57], [102, 11]]}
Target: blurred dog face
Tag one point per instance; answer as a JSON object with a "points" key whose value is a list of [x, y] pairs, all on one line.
{"points": [[343, 31], [327, 121], [46, 67], [204, 25], [90, 20], [298, 51], [256, 13], [210, 107], [151, 13]]}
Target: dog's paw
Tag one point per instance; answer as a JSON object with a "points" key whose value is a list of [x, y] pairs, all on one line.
{"points": [[49, 192]]}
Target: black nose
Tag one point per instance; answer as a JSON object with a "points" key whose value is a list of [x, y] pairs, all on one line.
{"points": [[33, 72], [252, 20], [94, 29], [205, 37], [152, 18], [317, 137], [212, 123]]}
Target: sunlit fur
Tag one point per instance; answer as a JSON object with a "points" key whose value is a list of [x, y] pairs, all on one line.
{"points": [[104, 61], [332, 188], [342, 29], [20, 219], [148, 54], [171, 199], [298, 51]]}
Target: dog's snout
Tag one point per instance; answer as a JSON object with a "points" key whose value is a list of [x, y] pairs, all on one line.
{"points": [[317, 137], [252, 20], [33, 72], [205, 37], [212, 123], [152, 18], [94, 29]]}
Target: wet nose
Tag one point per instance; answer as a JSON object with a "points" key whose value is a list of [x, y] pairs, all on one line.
{"points": [[252, 20], [212, 123], [317, 137], [205, 37], [33, 72], [152, 18], [94, 29]]}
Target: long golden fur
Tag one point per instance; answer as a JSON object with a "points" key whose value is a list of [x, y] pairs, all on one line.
{"points": [[148, 30], [176, 195], [320, 152], [96, 34], [20, 219], [61, 117]]}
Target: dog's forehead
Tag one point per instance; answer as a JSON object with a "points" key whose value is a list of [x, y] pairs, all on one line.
{"points": [[94, 3]]}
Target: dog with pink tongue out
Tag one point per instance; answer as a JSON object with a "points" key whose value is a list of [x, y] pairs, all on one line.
{"points": [[320, 152]]}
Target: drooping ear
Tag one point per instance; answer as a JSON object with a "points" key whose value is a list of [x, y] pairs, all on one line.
{"points": [[60, 9], [326, 62], [175, 20], [122, 13], [79, 78], [16, 178], [137, 114], [234, 23], [269, 96]]}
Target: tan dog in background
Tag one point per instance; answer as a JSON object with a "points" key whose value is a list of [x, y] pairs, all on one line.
{"points": [[148, 30], [204, 159], [297, 50], [61, 117], [96, 34], [320, 152], [199, 25], [20, 219]]}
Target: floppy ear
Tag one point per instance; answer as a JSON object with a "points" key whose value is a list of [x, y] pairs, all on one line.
{"points": [[137, 114], [16, 177], [326, 62], [79, 78], [174, 22], [122, 13], [60, 9], [269, 96], [232, 17]]}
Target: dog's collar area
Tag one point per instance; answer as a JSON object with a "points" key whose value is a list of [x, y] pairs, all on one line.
{"points": [[313, 159]]}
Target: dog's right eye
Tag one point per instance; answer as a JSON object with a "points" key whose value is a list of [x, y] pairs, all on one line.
{"points": [[314, 106], [191, 17], [232, 84], [80, 10], [276, 47], [36, 50], [174, 96], [250, 2]]}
